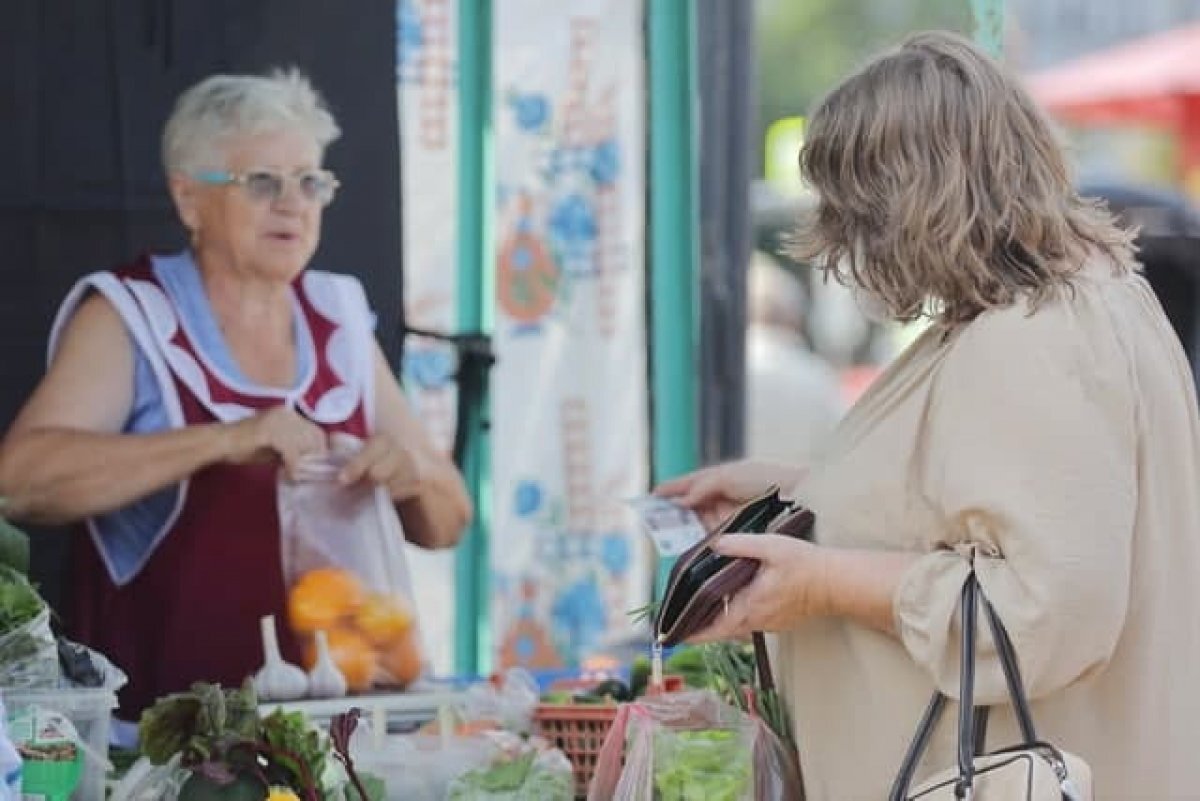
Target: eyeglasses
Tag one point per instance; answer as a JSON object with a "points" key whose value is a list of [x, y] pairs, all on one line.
{"points": [[265, 186]]}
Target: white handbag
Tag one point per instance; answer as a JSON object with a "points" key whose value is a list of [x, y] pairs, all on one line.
{"points": [[1031, 771]]}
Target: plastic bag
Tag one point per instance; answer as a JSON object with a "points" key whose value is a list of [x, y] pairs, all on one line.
{"points": [[146, 781], [509, 703], [10, 762], [679, 746], [418, 767], [83, 667], [29, 655], [520, 770], [344, 565]]}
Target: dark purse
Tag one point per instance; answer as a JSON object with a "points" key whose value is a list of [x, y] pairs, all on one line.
{"points": [[1032, 771], [702, 581]]}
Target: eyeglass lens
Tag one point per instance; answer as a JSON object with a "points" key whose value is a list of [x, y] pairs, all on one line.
{"points": [[268, 186]]}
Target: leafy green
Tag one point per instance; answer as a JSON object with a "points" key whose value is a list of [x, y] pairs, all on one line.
{"points": [[223, 741], [525, 778], [644, 613], [341, 729], [14, 547], [502, 776], [28, 654], [19, 601], [713, 764], [688, 662], [202, 724], [376, 789], [166, 727], [639, 676], [296, 747], [734, 676]]}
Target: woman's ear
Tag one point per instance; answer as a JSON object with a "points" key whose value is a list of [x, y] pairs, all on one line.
{"points": [[183, 192]]}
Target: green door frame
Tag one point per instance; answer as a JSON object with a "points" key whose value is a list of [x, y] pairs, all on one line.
{"points": [[474, 315], [674, 240]]}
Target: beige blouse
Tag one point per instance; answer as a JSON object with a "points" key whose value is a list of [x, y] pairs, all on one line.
{"points": [[1062, 447]]}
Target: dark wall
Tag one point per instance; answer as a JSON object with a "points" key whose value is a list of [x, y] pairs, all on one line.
{"points": [[85, 86]]}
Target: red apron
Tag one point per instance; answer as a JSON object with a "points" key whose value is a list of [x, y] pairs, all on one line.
{"points": [[192, 612]]}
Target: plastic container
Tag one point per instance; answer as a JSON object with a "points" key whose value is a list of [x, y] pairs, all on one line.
{"points": [[90, 712]]}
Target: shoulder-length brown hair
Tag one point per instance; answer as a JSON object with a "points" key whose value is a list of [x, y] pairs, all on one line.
{"points": [[941, 188]]}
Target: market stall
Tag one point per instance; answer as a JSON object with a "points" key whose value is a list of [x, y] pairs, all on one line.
{"points": [[1150, 81]]}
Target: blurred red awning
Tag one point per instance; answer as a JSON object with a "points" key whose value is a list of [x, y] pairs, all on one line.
{"points": [[1154, 80]]}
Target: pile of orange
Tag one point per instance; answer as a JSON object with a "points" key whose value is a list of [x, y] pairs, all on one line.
{"points": [[371, 635]]}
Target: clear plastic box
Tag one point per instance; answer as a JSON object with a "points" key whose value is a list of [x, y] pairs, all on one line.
{"points": [[90, 711]]}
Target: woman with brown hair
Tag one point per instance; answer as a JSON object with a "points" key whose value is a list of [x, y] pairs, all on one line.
{"points": [[1043, 430]]}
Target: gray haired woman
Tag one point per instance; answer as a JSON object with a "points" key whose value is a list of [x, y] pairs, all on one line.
{"points": [[1042, 431], [178, 384]]}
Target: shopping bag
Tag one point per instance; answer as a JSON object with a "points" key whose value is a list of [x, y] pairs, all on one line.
{"points": [[346, 574], [680, 746]]}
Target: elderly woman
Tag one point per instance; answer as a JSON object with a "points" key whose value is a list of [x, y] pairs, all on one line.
{"points": [[1044, 427], [178, 383]]}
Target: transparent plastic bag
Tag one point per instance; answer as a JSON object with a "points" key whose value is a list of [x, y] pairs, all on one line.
{"points": [[679, 746], [508, 703], [83, 667], [29, 655], [519, 770], [346, 572], [418, 767], [145, 781], [10, 761]]}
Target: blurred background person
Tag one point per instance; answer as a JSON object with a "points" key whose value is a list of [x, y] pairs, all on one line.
{"points": [[793, 398]]}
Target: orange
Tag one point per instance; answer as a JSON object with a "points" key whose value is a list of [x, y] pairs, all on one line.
{"points": [[352, 654], [321, 597], [402, 660], [383, 619]]}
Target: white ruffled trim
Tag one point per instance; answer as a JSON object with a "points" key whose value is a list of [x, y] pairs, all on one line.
{"points": [[332, 296]]}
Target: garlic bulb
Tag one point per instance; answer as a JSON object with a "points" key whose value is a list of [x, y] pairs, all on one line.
{"points": [[325, 680], [277, 680]]}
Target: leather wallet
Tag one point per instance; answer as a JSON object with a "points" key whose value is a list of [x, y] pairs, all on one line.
{"points": [[702, 581]]}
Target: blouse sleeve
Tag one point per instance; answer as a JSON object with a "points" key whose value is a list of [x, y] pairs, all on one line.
{"points": [[1030, 457]]}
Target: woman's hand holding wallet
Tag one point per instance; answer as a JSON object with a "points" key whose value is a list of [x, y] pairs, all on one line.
{"points": [[741, 577], [758, 571], [788, 587]]}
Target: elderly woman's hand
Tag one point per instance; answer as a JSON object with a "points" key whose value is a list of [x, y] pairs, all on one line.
{"points": [[385, 461], [791, 586], [277, 433], [713, 493]]}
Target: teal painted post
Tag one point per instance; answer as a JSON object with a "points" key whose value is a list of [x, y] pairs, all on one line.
{"points": [[989, 25], [474, 260], [674, 246]]}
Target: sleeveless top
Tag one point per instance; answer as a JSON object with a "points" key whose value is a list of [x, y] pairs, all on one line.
{"points": [[172, 588]]}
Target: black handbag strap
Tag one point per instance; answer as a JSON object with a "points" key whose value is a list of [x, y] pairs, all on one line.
{"points": [[972, 722]]}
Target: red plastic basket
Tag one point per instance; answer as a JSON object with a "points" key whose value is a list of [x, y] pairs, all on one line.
{"points": [[579, 731]]}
